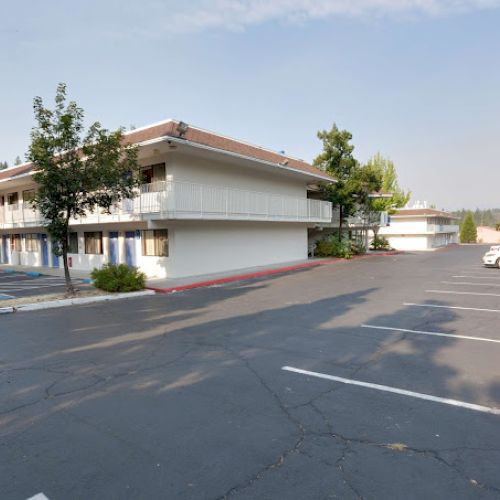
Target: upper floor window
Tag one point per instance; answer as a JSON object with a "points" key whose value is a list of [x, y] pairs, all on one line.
{"points": [[93, 242], [28, 195], [13, 198], [154, 173]]}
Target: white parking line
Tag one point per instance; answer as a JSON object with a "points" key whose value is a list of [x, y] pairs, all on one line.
{"points": [[434, 334], [478, 277], [452, 292], [38, 496], [451, 307], [468, 283], [395, 390]]}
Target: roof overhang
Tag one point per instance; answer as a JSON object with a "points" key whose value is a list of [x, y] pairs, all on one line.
{"points": [[184, 144]]}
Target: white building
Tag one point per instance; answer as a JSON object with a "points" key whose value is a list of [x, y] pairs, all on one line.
{"points": [[420, 229], [209, 204]]}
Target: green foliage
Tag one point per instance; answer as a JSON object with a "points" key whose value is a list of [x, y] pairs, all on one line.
{"points": [[18, 161], [118, 278], [354, 182], [389, 184], [3, 165], [489, 217], [468, 231], [343, 248], [77, 172], [380, 243]]}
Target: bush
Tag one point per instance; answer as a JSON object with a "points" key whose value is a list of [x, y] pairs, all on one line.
{"points": [[118, 278], [332, 247], [380, 243]]}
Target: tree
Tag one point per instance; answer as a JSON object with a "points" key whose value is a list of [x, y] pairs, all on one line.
{"points": [[353, 181], [3, 165], [18, 161], [76, 171], [468, 231], [386, 170]]}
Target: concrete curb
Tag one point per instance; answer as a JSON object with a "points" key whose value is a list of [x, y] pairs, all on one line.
{"points": [[260, 274], [51, 304]]}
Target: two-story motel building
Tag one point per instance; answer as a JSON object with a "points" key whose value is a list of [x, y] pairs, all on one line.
{"points": [[208, 204]]}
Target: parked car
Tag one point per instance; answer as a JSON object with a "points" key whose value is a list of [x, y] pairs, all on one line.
{"points": [[492, 257]]}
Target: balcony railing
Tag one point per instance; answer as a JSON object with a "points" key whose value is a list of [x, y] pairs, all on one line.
{"points": [[186, 200], [442, 228]]}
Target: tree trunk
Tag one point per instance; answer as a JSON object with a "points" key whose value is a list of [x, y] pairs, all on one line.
{"points": [[341, 221], [70, 290]]}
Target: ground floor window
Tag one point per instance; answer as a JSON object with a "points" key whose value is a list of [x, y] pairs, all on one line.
{"points": [[73, 243], [15, 242], [31, 240], [93, 242], [155, 242]]}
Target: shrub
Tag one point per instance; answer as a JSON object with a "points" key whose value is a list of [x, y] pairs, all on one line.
{"points": [[332, 247], [380, 243], [118, 278]]}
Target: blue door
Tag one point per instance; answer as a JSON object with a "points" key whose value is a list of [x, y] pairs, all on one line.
{"points": [[113, 247], [45, 249], [5, 250], [130, 248], [55, 258]]}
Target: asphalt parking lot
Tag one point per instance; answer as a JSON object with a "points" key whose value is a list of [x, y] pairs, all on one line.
{"points": [[21, 285], [376, 379]]}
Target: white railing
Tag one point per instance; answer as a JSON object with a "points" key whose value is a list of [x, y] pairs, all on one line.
{"points": [[187, 200], [442, 228]]}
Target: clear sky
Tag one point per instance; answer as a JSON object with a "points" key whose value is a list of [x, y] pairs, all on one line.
{"points": [[417, 80]]}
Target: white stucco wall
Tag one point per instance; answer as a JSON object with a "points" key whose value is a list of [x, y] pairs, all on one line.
{"points": [[200, 170], [408, 242], [214, 247]]}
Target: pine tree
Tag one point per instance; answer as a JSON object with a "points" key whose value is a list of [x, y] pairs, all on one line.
{"points": [[468, 231]]}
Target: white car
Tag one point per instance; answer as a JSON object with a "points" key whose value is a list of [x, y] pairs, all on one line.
{"points": [[492, 257]]}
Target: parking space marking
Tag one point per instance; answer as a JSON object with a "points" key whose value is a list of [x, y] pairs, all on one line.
{"points": [[38, 496], [395, 390], [438, 306], [433, 334], [478, 277], [468, 283], [18, 288], [453, 292]]}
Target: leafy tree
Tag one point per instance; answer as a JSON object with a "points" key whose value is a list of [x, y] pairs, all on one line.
{"points": [[354, 182], [18, 161], [468, 231], [384, 168], [3, 165], [77, 171], [387, 171]]}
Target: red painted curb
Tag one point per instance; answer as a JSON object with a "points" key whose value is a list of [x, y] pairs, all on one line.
{"points": [[260, 274]]}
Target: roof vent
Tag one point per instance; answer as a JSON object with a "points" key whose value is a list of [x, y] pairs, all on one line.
{"points": [[182, 128], [284, 163]]}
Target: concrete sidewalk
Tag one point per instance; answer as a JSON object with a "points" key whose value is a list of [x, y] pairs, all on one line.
{"points": [[170, 285]]}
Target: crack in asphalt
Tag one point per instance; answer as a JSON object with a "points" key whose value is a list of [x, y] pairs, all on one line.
{"points": [[285, 411]]}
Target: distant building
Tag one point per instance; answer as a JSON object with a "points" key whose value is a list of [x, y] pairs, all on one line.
{"points": [[487, 235], [421, 229]]}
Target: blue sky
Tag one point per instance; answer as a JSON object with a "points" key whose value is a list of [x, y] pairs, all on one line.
{"points": [[417, 80]]}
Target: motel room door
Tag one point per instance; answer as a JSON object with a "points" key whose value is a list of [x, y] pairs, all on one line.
{"points": [[113, 247], [5, 249], [130, 248], [44, 243]]}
